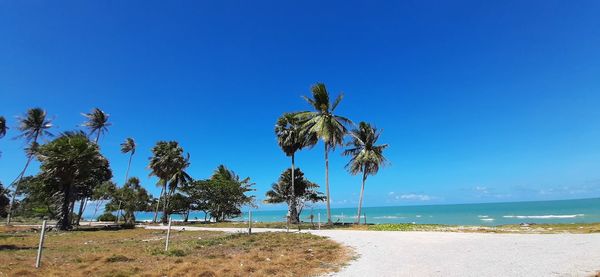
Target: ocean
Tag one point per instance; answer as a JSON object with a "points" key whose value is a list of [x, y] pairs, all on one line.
{"points": [[487, 214]]}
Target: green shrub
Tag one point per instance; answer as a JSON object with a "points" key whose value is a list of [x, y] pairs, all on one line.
{"points": [[118, 258], [107, 217]]}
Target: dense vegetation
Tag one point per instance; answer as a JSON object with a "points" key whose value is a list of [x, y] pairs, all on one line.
{"points": [[73, 172]]}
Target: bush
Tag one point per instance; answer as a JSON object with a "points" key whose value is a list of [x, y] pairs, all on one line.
{"points": [[118, 258], [107, 217]]}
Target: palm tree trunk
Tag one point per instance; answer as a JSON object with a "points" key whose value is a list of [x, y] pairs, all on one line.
{"points": [[293, 208], [97, 137], [329, 222], [157, 204], [128, 167], [12, 200], [81, 209], [165, 217], [362, 191], [64, 221]]}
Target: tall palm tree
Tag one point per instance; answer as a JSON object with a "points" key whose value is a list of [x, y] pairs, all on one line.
{"points": [[326, 125], [168, 164], [33, 126], [128, 146], [291, 139], [97, 122], [366, 156]]}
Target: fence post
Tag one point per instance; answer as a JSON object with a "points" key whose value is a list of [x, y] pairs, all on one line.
{"points": [[168, 235], [38, 260], [319, 221], [249, 222]]}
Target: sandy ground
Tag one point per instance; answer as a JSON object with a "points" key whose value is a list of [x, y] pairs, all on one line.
{"points": [[462, 254]]}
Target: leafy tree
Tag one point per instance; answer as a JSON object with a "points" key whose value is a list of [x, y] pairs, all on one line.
{"points": [[199, 193], [97, 122], [291, 139], [68, 163], [33, 126], [299, 194], [3, 200], [131, 197], [169, 164], [326, 125], [366, 156], [102, 193], [228, 194], [38, 200]]}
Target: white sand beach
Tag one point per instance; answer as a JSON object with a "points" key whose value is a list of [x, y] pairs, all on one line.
{"points": [[388, 253]]}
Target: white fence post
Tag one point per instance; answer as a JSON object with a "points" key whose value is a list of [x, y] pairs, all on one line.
{"points": [[168, 235], [38, 260], [319, 221]]}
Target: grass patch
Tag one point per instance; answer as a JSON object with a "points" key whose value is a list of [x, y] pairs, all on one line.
{"points": [[140, 252]]}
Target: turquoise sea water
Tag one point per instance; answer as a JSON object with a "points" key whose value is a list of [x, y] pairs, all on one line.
{"points": [[563, 211]]}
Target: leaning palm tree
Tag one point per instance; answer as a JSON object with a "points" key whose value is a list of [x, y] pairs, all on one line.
{"points": [[97, 122], [327, 126], [126, 147], [33, 126], [366, 156], [291, 139], [168, 164]]}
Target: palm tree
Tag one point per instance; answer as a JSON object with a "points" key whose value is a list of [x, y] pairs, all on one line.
{"points": [[126, 147], [33, 126], [168, 164], [367, 157], [97, 122], [327, 126], [291, 139]]}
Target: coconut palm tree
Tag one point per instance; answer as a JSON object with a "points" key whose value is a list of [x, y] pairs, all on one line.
{"points": [[168, 164], [126, 147], [326, 125], [97, 122], [366, 156], [291, 139], [33, 126]]}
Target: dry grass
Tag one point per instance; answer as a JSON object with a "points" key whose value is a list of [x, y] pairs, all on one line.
{"points": [[139, 252]]}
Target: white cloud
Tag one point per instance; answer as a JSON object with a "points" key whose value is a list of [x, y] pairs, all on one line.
{"points": [[412, 196]]}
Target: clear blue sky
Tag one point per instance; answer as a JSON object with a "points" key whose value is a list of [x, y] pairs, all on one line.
{"points": [[480, 101]]}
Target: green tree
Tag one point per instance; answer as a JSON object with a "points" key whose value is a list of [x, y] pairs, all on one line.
{"points": [[200, 194], [38, 200], [169, 164], [228, 194], [97, 122], [366, 156], [299, 194], [326, 125], [131, 197], [102, 193], [291, 139], [68, 163], [33, 126], [3, 200]]}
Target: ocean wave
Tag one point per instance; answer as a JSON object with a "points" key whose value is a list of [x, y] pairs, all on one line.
{"points": [[389, 217], [483, 216], [543, 216], [487, 219]]}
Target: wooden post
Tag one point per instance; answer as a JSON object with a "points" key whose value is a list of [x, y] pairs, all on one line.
{"points": [[168, 235], [319, 221], [38, 260], [249, 222]]}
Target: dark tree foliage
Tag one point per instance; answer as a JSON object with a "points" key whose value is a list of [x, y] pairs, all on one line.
{"points": [[228, 194], [132, 197], [302, 192], [69, 164], [3, 201]]}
